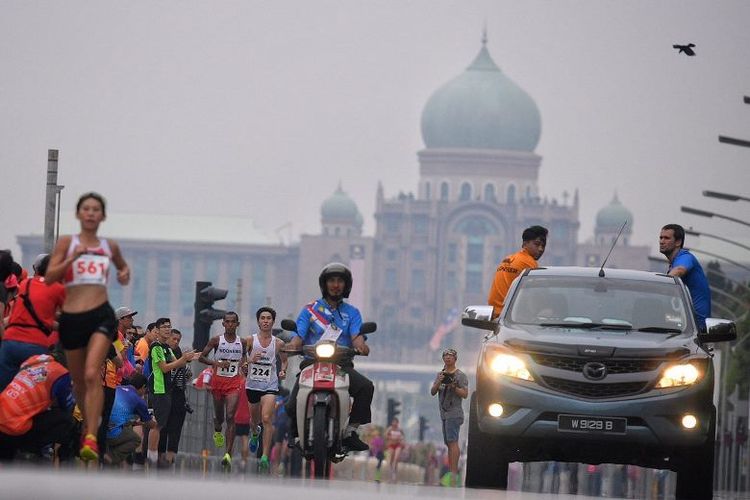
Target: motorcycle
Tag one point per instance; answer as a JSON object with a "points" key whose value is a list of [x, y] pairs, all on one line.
{"points": [[323, 401]]}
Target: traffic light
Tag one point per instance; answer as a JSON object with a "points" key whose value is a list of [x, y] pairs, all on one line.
{"points": [[205, 314], [393, 410], [423, 426]]}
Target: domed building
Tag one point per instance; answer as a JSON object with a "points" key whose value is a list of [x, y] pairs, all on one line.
{"points": [[340, 216], [609, 221], [478, 190]]}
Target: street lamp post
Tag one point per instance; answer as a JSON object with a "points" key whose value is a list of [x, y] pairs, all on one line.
{"points": [[692, 232], [706, 213], [724, 196]]}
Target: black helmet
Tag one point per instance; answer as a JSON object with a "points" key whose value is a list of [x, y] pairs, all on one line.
{"points": [[335, 269]]}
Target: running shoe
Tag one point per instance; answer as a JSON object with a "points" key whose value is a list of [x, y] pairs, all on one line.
{"points": [[253, 445], [263, 464], [218, 439], [89, 448], [226, 461]]}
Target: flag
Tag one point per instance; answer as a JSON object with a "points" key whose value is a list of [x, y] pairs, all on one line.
{"points": [[449, 324]]}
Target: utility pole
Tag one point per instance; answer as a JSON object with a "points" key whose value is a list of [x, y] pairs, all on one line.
{"points": [[50, 201]]}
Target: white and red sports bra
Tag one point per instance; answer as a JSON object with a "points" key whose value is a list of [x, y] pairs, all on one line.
{"points": [[91, 268]]}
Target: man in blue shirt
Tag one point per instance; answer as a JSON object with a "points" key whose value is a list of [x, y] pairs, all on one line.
{"points": [[313, 322], [684, 265], [122, 439]]}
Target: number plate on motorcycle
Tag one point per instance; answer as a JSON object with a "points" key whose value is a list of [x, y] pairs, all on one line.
{"points": [[592, 425], [323, 377]]}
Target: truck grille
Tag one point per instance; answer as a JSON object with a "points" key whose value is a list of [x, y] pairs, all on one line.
{"points": [[594, 391], [614, 366]]}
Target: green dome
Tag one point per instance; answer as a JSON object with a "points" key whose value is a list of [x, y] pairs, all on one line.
{"points": [[340, 207], [613, 215], [481, 109]]}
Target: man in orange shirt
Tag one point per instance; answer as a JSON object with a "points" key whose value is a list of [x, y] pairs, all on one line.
{"points": [[534, 242]]}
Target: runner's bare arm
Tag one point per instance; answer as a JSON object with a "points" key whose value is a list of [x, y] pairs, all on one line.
{"points": [[284, 358], [212, 344], [58, 263]]}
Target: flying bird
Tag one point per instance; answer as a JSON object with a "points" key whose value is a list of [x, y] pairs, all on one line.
{"points": [[685, 49]]}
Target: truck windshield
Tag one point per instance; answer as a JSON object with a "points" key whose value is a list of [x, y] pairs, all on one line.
{"points": [[602, 303]]}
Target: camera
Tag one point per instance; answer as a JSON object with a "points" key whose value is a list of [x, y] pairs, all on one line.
{"points": [[447, 378]]}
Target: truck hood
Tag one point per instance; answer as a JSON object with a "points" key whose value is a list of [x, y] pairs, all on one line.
{"points": [[596, 343]]}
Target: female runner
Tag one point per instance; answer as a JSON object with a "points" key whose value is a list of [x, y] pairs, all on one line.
{"points": [[87, 324]]}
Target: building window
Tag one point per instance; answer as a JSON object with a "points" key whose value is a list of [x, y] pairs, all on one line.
{"points": [[391, 279], [427, 189], [421, 224], [211, 271], [475, 252], [452, 252], [465, 192], [511, 197], [474, 282], [392, 224], [258, 287], [451, 283], [391, 254], [139, 268], [417, 255], [163, 282], [418, 281], [187, 284], [444, 191], [489, 192]]}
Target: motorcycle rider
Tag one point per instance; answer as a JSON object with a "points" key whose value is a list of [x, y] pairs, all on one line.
{"points": [[317, 318]]}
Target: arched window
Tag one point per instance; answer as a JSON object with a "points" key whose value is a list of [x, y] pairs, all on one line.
{"points": [[528, 192], [489, 192], [427, 193], [444, 191], [465, 192], [511, 198]]}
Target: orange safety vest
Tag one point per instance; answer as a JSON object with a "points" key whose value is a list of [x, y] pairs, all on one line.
{"points": [[29, 394]]}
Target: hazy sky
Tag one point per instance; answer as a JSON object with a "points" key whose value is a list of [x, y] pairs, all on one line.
{"points": [[260, 108]]}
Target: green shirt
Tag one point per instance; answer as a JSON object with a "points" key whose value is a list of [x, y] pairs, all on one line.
{"points": [[161, 382]]}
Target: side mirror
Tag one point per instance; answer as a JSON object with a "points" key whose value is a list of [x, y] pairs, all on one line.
{"points": [[718, 330], [479, 317], [289, 325], [368, 327]]}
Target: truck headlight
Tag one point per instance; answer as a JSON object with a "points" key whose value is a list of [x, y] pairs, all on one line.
{"points": [[509, 365], [679, 376]]}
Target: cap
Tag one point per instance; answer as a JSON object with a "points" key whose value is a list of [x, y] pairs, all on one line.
{"points": [[452, 352], [123, 312], [38, 261]]}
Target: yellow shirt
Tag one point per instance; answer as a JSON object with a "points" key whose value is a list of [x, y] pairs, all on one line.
{"points": [[507, 271]]}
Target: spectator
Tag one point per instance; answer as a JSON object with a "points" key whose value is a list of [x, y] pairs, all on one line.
{"points": [[122, 438], [169, 440], [533, 245], [36, 408], [143, 348], [32, 326], [6, 268], [377, 450], [452, 386]]}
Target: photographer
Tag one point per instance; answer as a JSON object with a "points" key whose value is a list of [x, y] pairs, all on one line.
{"points": [[452, 386]]}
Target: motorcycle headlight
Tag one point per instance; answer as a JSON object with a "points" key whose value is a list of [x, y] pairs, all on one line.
{"points": [[679, 376], [508, 365], [325, 350]]}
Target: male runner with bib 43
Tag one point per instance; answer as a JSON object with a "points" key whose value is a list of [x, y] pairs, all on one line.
{"points": [[227, 380]]}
